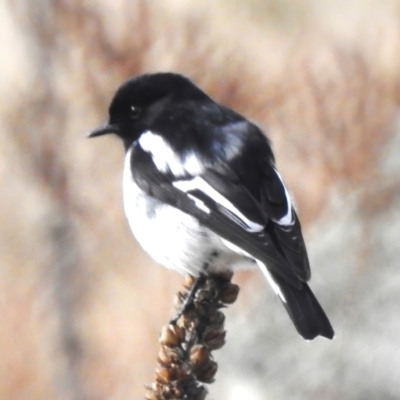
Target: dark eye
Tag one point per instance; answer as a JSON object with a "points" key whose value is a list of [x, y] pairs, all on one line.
{"points": [[135, 112]]}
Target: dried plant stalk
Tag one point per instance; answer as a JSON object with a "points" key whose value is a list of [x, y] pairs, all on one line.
{"points": [[185, 362]]}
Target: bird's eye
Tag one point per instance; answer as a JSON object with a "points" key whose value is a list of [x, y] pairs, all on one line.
{"points": [[135, 112]]}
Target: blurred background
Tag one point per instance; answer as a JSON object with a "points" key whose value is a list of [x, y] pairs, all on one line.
{"points": [[81, 305]]}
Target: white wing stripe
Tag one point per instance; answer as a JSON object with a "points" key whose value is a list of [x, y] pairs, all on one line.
{"points": [[200, 204], [198, 183], [287, 219], [271, 280]]}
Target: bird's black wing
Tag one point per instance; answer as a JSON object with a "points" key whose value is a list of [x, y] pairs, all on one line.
{"points": [[254, 216], [267, 202], [219, 200]]}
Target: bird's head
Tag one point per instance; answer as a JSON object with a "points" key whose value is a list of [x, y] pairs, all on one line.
{"points": [[139, 100]]}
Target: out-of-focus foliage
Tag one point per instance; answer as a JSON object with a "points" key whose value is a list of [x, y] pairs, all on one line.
{"points": [[82, 305]]}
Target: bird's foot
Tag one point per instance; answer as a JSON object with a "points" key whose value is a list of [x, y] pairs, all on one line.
{"points": [[188, 300]]}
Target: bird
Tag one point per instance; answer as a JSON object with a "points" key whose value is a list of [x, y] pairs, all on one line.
{"points": [[202, 192]]}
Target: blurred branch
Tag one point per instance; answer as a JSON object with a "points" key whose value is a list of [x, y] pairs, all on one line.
{"points": [[40, 136]]}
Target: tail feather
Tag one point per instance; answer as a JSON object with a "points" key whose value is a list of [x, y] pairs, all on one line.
{"points": [[304, 310], [302, 306]]}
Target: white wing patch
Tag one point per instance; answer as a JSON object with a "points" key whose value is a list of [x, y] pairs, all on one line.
{"points": [[163, 155], [199, 183], [165, 158], [193, 164], [287, 219]]}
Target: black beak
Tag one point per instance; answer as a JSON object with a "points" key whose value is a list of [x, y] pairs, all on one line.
{"points": [[104, 130]]}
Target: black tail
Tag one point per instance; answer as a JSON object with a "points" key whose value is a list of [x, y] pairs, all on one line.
{"points": [[304, 310]]}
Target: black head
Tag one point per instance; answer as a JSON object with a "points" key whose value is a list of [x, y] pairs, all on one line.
{"points": [[140, 98]]}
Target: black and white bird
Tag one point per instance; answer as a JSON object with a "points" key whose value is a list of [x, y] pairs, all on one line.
{"points": [[202, 192]]}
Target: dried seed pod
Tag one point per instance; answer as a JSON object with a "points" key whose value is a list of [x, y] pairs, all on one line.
{"points": [[155, 387], [163, 357], [185, 321], [150, 394], [169, 355], [188, 282], [172, 335], [165, 391], [229, 293], [199, 356], [181, 374], [167, 337], [179, 331], [214, 338], [185, 359], [165, 375], [207, 373], [216, 318], [179, 298], [176, 392]]}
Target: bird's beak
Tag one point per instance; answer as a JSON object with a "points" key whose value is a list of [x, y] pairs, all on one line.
{"points": [[104, 130]]}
